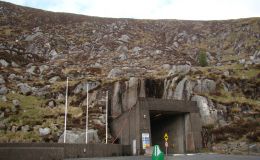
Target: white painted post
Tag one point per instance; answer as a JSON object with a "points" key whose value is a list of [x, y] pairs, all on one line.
{"points": [[106, 115], [66, 111], [134, 147], [87, 118]]}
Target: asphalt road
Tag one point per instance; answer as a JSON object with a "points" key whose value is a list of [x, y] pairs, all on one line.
{"points": [[181, 157]]}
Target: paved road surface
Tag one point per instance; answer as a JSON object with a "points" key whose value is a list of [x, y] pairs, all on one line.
{"points": [[182, 157]]}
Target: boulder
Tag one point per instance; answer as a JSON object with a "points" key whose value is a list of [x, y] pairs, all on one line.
{"points": [[25, 128], [156, 52], [2, 125], [12, 76], [124, 38], [60, 97], [166, 66], [31, 70], [218, 56], [222, 123], [176, 44], [254, 148], [256, 57], [209, 85], [98, 122], [92, 100], [80, 136], [204, 108], [179, 69], [2, 80], [122, 49], [14, 129], [4, 63], [82, 87], [42, 68], [44, 131], [42, 91], [136, 50], [209, 57], [242, 61], [226, 73], [14, 64], [51, 103], [102, 118], [115, 72], [3, 98], [2, 115], [3, 89], [33, 36], [53, 53], [54, 79], [123, 57], [16, 103], [205, 86], [24, 88]]}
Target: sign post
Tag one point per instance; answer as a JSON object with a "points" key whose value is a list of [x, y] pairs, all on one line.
{"points": [[106, 115], [66, 111], [166, 142], [87, 118]]}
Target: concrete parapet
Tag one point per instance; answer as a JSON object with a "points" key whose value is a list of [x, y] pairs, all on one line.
{"points": [[59, 151]]}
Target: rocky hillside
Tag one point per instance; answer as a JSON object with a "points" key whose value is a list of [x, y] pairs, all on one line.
{"points": [[130, 58]]}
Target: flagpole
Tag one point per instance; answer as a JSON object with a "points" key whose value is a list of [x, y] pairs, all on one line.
{"points": [[66, 111], [87, 118], [106, 115]]}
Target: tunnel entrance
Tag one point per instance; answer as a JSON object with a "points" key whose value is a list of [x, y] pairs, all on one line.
{"points": [[146, 123], [172, 123]]}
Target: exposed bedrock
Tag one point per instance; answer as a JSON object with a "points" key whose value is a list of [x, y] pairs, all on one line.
{"points": [[125, 94]]}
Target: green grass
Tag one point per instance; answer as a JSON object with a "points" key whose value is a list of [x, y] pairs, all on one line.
{"points": [[247, 74], [19, 137], [32, 110], [239, 72], [228, 98], [33, 113], [57, 86], [5, 105]]}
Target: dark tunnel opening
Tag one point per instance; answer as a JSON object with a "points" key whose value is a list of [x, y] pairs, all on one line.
{"points": [[171, 123]]}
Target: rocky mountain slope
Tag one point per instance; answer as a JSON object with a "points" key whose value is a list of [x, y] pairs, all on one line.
{"points": [[130, 58]]}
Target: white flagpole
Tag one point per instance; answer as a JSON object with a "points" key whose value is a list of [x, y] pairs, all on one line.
{"points": [[106, 115], [87, 118], [66, 111]]}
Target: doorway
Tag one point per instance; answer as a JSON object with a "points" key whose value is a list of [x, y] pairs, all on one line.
{"points": [[172, 123]]}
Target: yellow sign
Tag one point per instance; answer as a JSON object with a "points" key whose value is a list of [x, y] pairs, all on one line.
{"points": [[166, 137]]}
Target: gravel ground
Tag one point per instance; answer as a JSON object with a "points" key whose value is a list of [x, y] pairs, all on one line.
{"points": [[181, 157]]}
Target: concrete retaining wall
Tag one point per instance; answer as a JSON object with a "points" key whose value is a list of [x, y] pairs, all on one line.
{"points": [[31, 153], [55, 151]]}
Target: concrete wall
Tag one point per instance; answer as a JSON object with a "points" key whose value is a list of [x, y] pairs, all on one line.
{"points": [[196, 127], [189, 138], [126, 128], [55, 151], [31, 153]]}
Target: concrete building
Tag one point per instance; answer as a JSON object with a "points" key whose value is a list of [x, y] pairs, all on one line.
{"points": [[146, 123]]}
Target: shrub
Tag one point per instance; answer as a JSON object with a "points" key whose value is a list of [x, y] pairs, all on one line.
{"points": [[203, 59]]}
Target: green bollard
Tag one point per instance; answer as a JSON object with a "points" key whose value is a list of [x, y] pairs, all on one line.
{"points": [[157, 153]]}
